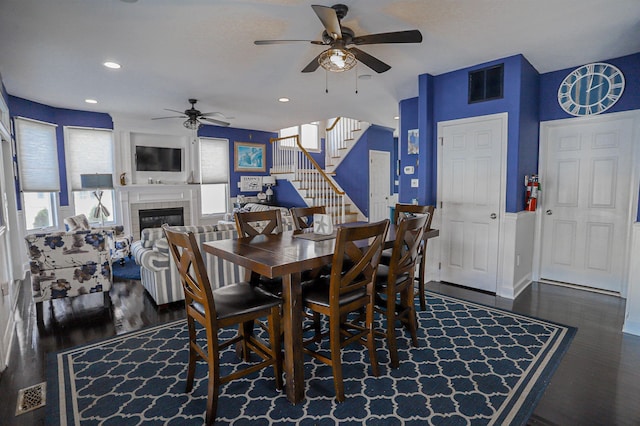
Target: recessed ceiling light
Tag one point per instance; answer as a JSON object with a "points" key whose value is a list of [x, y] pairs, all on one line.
{"points": [[91, 101], [283, 99], [396, 118], [112, 65]]}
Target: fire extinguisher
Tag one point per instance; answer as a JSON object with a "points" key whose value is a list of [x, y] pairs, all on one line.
{"points": [[533, 188]]}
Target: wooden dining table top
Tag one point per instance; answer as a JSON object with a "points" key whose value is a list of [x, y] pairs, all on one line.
{"points": [[276, 255], [287, 255]]}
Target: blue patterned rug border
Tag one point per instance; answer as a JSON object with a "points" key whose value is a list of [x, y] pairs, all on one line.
{"points": [[554, 352], [519, 406]]}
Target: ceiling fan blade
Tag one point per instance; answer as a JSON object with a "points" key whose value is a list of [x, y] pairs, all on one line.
{"points": [[375, 64], [410, 36], [329, 19], [173, 116], [263, 42], [219, 114], [313, 65], [214, 121], [174, 110]]}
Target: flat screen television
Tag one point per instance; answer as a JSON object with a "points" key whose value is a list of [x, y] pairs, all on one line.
{"points": [[157, 159]]}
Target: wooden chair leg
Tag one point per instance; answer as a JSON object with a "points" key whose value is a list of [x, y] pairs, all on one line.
{"points": [[410, 311], [336, 361], [212, 391], [246, 331], [193, 356], [371, 341], [392, 344]]}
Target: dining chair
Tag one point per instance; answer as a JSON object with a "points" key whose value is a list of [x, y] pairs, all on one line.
{"points": [[251, 224], [229, 305], [341, 293], [303, 216], [395, 281], [408, 210]]}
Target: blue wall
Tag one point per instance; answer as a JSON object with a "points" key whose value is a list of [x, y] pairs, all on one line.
{"points": [[240, 135], [19, 107], [630, 99], [529, 98], [444, 97], [353, 172]]}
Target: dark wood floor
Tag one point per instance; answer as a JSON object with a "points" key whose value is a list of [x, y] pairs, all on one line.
{"points": [[597, 383]]}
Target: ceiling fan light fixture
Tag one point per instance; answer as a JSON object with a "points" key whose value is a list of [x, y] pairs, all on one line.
{"points": [[337, 60], [192, 124]]}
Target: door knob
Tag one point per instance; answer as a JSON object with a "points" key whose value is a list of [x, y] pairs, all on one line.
{"points": [[493, 216], [549, 212]]}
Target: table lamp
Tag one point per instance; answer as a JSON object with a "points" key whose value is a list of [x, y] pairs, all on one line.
{"points": [[98, 182], [269, 181]]}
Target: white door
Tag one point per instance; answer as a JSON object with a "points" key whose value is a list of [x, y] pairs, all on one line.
{"points": [[379, 186], [471, 191], [586, 188]]}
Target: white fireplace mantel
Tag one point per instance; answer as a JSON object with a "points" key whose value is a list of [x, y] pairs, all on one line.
{"points": [[135, 197]]}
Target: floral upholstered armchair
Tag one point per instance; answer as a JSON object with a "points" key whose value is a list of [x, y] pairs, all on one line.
{"points": [[68, 264], [119, 242]]}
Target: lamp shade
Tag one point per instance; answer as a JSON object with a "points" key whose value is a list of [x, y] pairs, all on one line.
{"points": [[268, 180], [96, 181]]}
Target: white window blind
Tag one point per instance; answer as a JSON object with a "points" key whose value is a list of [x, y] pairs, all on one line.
{"points": [[37, 156], [214, 160], [87, 151]]}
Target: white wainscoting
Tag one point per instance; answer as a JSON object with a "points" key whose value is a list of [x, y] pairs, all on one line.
{"points": [[517, 243], [516, 253], [632, 315]]}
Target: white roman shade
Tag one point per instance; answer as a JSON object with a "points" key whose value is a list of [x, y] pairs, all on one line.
{"points": [[214, 160], [88, 151], [37, 156]]}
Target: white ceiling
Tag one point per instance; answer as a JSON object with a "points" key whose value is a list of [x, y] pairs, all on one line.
{"points": [[170, 50]]}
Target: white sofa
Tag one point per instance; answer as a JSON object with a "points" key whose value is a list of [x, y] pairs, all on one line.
{"points": [[157, 269]]}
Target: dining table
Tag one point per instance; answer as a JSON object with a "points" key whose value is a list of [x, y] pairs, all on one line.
{"points": [[287, 255]]}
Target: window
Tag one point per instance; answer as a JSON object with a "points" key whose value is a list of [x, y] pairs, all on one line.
{"points": [[308, 136], [214, 174], [486, 84], [39, 176], [89, 151]]}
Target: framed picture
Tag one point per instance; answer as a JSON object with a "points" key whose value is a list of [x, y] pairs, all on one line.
{"points": [[250, 183], [249, 157], [412, 142]]}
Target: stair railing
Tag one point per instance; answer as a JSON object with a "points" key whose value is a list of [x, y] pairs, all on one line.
{"points": [[289, 156], [338, 134]]}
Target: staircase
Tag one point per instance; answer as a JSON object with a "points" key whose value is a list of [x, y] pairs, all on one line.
{"points": [[316, 186]]}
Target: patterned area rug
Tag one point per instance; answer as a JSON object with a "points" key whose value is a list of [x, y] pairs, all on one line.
{"points": [[476, 365]]}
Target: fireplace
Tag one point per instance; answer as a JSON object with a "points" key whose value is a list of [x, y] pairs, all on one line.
{"points": [[155, 218]]}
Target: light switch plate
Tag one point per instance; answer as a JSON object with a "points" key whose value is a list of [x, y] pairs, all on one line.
{"points": [[414, 183]]}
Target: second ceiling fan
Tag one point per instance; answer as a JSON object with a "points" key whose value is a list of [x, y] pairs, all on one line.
{"points": [[340, 57]]}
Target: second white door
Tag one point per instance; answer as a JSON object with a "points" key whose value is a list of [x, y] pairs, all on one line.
{"points": [[471, 177], [379, 185], [586, 188]]}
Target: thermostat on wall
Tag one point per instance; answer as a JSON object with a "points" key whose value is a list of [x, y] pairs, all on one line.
{"points": [[408, 170]]}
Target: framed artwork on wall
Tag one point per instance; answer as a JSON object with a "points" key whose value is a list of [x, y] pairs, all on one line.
{"points": [[412, 142], [249, 157], [250, 183]]}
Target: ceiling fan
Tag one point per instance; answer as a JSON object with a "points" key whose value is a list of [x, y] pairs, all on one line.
{"points": [[194, 117], [339, 57]]}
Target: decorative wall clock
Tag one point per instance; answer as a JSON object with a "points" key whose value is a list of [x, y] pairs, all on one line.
{"points": [[591, 89]]}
